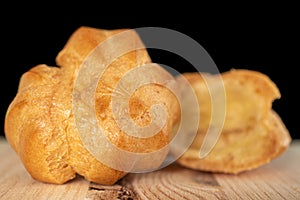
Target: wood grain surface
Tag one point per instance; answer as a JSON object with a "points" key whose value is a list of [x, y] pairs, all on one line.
{"points": [[279, 179]]}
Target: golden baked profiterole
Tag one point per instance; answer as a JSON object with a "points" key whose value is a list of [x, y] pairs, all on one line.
{"points": [[40, 125], [252, 134]]}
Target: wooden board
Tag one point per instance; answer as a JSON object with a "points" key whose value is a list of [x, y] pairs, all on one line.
{"points": [[279, 179]]}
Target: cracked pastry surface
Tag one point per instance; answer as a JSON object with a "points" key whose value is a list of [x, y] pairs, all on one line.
{"points": [[40, 125]]}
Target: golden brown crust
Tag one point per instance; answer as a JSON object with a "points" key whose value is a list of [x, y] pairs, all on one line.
{"points": [[249, 96], [31, 126], [242, 151], [252, 135], [40, 123]]}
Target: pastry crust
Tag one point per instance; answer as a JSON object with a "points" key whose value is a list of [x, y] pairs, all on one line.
{"points": [[40, 125], [252, 135]]}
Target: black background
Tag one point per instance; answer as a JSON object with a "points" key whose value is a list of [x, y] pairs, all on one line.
{"points": [[262, 38]]}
